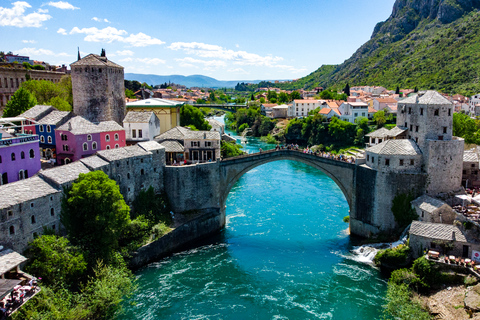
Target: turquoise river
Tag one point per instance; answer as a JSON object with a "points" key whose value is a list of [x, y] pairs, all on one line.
{"points": [[285, 253]]}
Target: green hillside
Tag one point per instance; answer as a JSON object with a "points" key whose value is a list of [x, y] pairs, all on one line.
{"points": [[417, 46]]}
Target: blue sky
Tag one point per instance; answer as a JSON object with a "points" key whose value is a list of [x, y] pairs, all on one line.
{"points": [[227, 40]]}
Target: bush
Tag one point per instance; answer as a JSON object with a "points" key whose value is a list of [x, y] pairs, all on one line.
{"points": [[135, 234], [403, 276], [243, 127], [401, 304], [346, 219], [269, 139], [426, 272], [153, 207], [396, 257], [160, 229]]}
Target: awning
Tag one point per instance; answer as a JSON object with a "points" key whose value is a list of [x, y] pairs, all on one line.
{"points": [[7, 285]]}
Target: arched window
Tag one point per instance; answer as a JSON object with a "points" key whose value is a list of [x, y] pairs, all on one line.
{"points": [[0, 159], [85, 146], [32, 154], [107, 137], [13, 156], [142, 172], [67, 160], [52, 212], [40, 128], [42, 139], [22, 155], [116, 137], [12, 230], [49, 129], [49, 139], [117, 146], [128, 175], [21, 175], [108, 147], [33, 220], [94, 146], [89, 137]]}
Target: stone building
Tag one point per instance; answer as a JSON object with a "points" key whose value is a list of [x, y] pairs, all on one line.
{"points": [[98, 89], [13, 75], [433, 210], [395, 156], [470, 172]]}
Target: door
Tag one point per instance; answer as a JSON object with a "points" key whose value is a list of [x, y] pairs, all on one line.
{"points": [[465, 252]]}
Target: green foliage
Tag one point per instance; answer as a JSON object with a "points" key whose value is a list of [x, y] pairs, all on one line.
{"points": [[46, 92], [54, 260], [135, 234], [262, 100], [27, 65], [153, 207], [426, 271], [402, 210], [272, 96], [243, 127], [330, 95], [295, 95], [346, 219], [269, 139], [21, 101], [160, 229], [379, 118], [38, 67], [229, 150], [190, 115], [130, 94], [401, 304], [467, 128], [94, 214], [399, 256]]}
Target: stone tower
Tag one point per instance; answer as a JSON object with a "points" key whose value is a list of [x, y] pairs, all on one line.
{"points": [[98, 89], [429, 120]]}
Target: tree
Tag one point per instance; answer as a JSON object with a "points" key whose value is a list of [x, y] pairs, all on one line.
{"points": [[295, 95], [271, 95], [190, 115], [415, 90], [94, 214], [21, 101], [346, 90], [130, 94], [283, 97], [379, 118], [55, 260], [212, 96], [252, 97], [397, 91], [58, 95]]}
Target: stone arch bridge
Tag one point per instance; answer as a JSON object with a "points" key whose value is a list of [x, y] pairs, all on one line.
{"points": [[368, 192]]}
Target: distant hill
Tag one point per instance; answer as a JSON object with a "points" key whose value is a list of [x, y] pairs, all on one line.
{"points": [[431, 44], [189, 81]]}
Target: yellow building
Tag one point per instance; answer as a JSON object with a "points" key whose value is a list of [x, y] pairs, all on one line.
{"points": [[167, 111]]}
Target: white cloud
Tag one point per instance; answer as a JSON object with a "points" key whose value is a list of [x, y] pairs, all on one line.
{"points": [[62, 5], [15, 16], [62, 31], [40, 52], [213, 51], [29, 41], [110, 34], [42, 10], [238, 71], [150, 61], [100, 20], [125, 53], [142, 40], [188, 61], [237, 45]]}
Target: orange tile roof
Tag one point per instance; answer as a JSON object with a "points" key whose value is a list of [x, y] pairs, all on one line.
{"points": [[336, 111], [371, 110], [386, 100], [305, 101], [325, 111]]}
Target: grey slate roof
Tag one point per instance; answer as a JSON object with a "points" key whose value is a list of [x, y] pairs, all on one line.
{"points": [[427, 204], [37, 112], [470, 156], [150, 145], [56, 118], [106, 126], [95, 60], [122, 153], [79, 125], [396, 131], [429, 97], [406, 147], [138, 116], [94, 162], [227, 138], [10, 259], [66, 173], [172, 146], [437, 231], [177, 133], [380, 133], [24, 190]]}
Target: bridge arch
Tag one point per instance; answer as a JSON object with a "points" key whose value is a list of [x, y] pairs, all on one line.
{"points": [[341, 173]]}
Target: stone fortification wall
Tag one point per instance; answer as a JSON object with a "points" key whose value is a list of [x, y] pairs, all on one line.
{"points": [[361, 219], [193, 187], [443, 164], [209, 222]]}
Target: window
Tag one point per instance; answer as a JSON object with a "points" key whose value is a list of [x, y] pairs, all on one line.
{"points": [[31, 205], [64, 137], [373, 159], [142, 172], [94, 146], [387, 162], [195, 143], [406, 125], [65, 147], [49, 129], [134, 133], [208, 143], [464, 172], [116, 135], [117, 146], [436, 113], [40, 128], [475, 172], [42, 139], [52, 212], [416, 140], [449, 112], [12, 230], [33, 220], [107, 137], [411, 127], [401, 162], [412, 162], [22, 155], [10, 213], [380, 140], [409, 110], [51, 198], [140, 133], [416, 128], [85, 146], [368, 157], [141, 160], [21, 175], [49, 139], [13, 156], [89, 137], [108, 147], [128, 175], [0, 159], [444, 129], [473, 165]]}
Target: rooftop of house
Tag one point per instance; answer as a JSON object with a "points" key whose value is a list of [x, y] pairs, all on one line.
{"points": [[305, 101], [437, 231], [10, 259], [94, 162], [66, 173], [150, 145], [56, 118], [405, 147], [123, 153], [386, 100], [371, 110], [182, 133], [282, 106], [154, 102], [24, 190], [138, 116], [427, 203], [380, 133], [396, 131], [325, 111], [172, 146], [95, 60], [430, 97], [36, 112], [79, 125]]}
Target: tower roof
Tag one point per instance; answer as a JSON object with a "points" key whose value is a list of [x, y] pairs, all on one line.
{"points": [[429, 97], [95, 60], [406, 147]]}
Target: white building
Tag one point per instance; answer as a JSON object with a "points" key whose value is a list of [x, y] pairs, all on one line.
{"points": [[474, 100], [141, 126], [352, 110], [303, 107], [217, 126]]}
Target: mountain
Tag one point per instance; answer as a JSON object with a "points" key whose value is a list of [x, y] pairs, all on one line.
{"points": [[189, 81], [431, 44]]}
